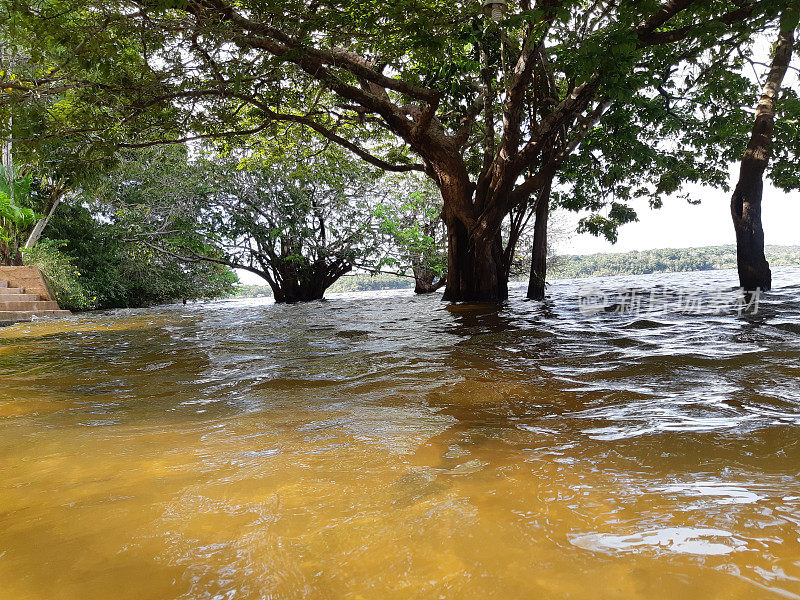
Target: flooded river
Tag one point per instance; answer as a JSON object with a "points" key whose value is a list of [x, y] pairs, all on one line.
{"points": [[383, 446]]}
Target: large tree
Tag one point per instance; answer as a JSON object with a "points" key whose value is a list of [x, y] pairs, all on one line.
{"points": [[299, 217], [491, 110]]}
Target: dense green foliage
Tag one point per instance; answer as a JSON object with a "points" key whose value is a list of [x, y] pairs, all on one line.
{"points": [[116, 273], [62, 274], [299, 216], [16, 215], [664, 261], [409, 219]]}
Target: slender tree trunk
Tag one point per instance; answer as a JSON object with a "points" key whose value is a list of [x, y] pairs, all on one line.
{"points": [[536, 283], [754, 272], [41, 224]]}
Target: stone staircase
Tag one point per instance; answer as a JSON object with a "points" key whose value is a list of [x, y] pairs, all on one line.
{"points": [[20, 304]]}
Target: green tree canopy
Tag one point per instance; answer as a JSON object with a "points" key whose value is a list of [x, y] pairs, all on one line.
{"points": [[299, 216], [490, 111]]}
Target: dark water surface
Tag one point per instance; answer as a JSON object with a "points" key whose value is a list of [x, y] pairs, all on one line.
{"points": [[382, 446]]}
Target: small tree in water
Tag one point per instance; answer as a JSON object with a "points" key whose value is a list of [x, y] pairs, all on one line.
{"points": [[300, 229], [298, 222]]}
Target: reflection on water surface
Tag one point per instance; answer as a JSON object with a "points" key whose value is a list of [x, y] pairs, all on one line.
{"points": [[385, 446]]}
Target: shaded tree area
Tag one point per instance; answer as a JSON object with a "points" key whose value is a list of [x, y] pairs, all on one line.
{"points": [[17, 217], [410, 221], [39, 171], [31, 190], [491, 111], [91, 264]]}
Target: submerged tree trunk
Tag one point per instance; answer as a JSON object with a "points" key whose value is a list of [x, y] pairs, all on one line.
{"points": [[425, 278], [290, 284], [305, 292], [537, 281], [475, 267], [476, 270], [754, 272]]}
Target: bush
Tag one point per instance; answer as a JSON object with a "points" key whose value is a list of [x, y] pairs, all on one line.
{"points": [[123, 274], [61, 273]]}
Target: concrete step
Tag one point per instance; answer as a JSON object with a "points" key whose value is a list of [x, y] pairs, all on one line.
{"points": [[25, 294], [25, 315], [25, 305], [18, 297]]}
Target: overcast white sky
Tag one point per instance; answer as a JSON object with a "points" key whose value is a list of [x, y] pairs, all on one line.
{"points": [[679, 224]]}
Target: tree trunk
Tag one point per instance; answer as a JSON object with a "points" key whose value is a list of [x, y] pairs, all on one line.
{"points": [[10, 256], [297, 293], [536, 283], [475, 269], [293, 285], [292, 291], [41, 224], [425, 278], [754, 272]]}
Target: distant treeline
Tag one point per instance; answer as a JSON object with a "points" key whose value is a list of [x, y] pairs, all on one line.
{"points": [[664, 261], [380, 281]]}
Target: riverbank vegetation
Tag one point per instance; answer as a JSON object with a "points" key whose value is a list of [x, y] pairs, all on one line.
{"points": [[90, 264]]}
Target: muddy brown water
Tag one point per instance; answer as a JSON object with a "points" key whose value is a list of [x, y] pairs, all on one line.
{"points": [[382, 446]]}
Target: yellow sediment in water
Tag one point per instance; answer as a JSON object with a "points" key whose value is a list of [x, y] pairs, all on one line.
{"points": [[335, 451], [76, 324]]}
